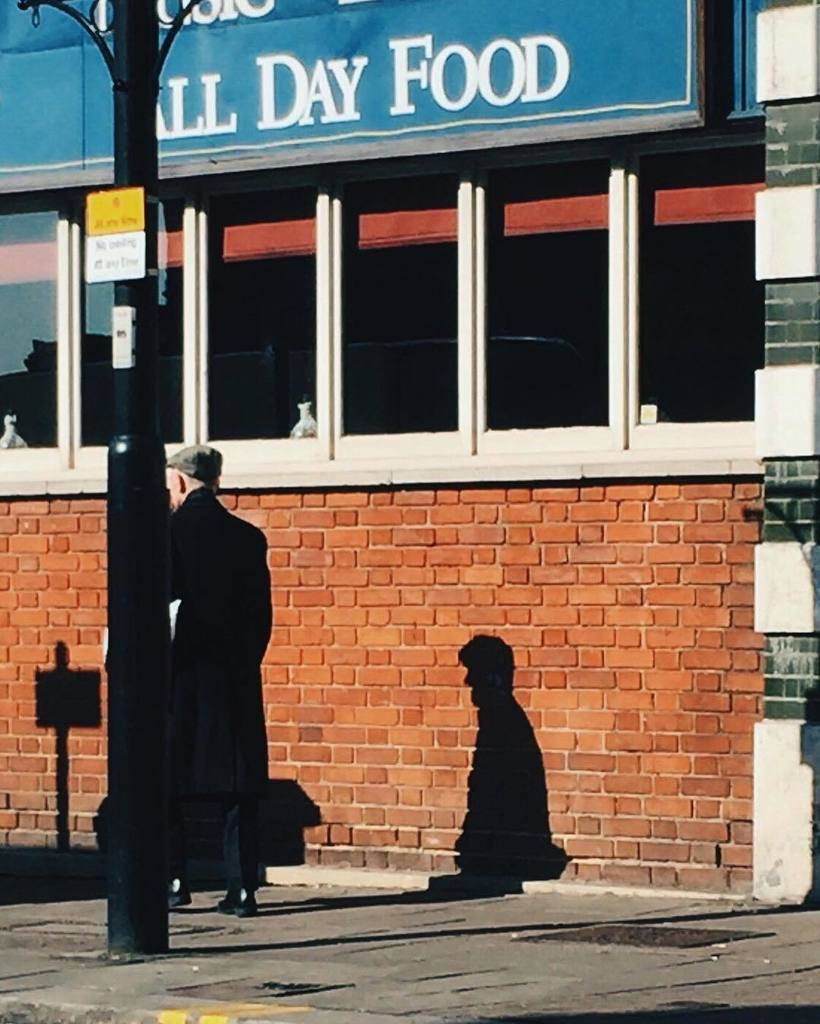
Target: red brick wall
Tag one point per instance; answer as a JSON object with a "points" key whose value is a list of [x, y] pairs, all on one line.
{"points": [[628, 607], [52, 591]]}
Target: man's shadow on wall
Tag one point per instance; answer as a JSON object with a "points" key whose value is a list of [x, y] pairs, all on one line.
{"points": [[506, 830]]}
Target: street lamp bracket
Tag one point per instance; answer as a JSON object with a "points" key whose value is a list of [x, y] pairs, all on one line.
{"points": [[92, 29], [88, 25]]}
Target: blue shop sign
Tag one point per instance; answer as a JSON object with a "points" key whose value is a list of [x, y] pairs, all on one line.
{"points": [[278, 82]]}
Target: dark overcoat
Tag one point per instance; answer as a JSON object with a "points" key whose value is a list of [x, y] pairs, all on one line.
{"points": [[220, 575]]}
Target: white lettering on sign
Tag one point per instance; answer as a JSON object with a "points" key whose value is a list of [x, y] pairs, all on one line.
{"points": [[459, 55], [206, 123], [334, 94], [210, 11], [115, 257], [207, 12], [518, 66], [532, 45], [533, 69], [348, 83], [406, 74], [417, 66], [100, 14]]}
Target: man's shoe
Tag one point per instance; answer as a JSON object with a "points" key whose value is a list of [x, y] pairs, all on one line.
{"points": [[179, 895], [247, 907], [243, 905]]}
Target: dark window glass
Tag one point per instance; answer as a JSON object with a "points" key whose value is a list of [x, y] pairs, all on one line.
{"points": [[548, 297], [262, 323], [400, 353], [28, 330], [702, 311], [97, 373]]}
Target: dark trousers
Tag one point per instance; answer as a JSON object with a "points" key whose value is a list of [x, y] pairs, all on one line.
{"points": [[239, 842]]}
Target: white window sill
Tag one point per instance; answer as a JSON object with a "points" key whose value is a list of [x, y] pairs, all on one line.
{"points": [[718, 462]]}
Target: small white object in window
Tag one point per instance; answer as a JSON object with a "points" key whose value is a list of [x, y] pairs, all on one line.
{"points": [[306, 425], [649, 415], [10, 438]]}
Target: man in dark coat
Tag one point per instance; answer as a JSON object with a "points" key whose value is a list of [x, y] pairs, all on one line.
{"points": [[218, 746]]}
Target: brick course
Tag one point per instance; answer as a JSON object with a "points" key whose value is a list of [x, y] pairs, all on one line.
{"points": [[628, 607]]}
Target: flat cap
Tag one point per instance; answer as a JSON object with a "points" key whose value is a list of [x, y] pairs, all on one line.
{"points": [[198, 461]]}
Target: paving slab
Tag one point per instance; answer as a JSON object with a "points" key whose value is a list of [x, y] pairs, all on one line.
{"points": [[344, 956]]}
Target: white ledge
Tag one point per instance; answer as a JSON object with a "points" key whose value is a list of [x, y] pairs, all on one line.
{"points": [[788, 67], [421, 881], [453, 471]]}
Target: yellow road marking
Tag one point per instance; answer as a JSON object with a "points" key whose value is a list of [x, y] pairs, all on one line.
{"points": [[223, 1012]]}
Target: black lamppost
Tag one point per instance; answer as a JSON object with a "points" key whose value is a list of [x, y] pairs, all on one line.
{"points": [[138, 659]]}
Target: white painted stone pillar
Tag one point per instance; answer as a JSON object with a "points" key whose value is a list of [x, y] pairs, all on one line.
{"points": [[786, 811], [787, 421]]}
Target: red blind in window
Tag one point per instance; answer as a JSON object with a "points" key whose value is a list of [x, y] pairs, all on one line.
{"points": [[269, 241], [549, 216], [407, 227], [711, 205]]}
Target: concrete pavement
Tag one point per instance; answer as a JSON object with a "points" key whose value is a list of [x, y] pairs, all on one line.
{"points": [[333, 956]]}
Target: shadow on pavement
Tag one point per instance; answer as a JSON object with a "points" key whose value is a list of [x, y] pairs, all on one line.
{"points": [[269, 907], [690, 1013], [18, 890], [520, 931]]}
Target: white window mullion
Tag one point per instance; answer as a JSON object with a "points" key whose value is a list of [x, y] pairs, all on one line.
{"points": [[202, 352], [336, 328], [325, 321], [480, 221], [77, 326], [190, 326], [467, 421], [68, 326], [619, 376], [633, 307]]}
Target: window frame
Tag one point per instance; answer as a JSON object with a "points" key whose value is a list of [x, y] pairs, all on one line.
{"points": [[93, 459], [624, 447], [260, 452], [562, 440], [419, 446], [31, 463], [733, 437]]}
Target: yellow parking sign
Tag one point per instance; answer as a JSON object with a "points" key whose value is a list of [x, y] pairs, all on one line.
{"points": [[115, 211]]}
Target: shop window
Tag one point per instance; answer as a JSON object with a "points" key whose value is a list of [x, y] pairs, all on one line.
{"points": [[400, 347], [97, 413], [548, 297], [702, 310], [262, 313], [28, 340]]}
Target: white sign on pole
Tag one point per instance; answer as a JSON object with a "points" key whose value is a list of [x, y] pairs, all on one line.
{"points": [[118, 257], [123, 336]]}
